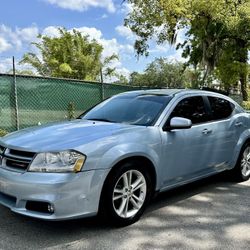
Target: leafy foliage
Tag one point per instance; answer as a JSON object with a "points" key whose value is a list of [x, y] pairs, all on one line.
{"points": [[71, 110], [214, 28], [162, 73], [246, 105], [121, 79], [26, 72], [3, 132], [71, 55]]}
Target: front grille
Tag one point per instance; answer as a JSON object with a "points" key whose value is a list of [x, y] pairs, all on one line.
{"points": [[16, 159], [21, 153]]}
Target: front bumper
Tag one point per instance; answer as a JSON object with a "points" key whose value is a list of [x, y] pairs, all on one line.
{"points": [[71, 195]]}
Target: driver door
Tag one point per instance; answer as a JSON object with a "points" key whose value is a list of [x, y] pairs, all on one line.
{"points": [[185, 151]]}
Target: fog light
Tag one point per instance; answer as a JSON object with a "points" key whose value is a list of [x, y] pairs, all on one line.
{"points": [[50, 208], [41, 207]]}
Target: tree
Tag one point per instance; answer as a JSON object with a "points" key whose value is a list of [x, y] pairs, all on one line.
{"points": [[138, 79], [26, 72], [121, 79], [71, 55], [211, 24], [162, 73], [226, 64]]}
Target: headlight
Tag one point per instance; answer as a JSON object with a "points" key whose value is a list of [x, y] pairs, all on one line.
{"points": [[66, 161]]}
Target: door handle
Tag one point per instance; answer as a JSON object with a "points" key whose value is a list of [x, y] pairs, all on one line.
{"points": [[206, 131], [238, 124]]}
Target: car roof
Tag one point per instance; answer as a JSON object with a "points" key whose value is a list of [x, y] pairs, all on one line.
{"points": [[169, 92], [152, 92], [179, 93]]}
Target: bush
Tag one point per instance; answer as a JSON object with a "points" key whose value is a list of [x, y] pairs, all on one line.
{"points": [[71, 110], [3, 132], [246, 105]]}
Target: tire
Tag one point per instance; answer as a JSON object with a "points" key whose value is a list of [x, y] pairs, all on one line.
{"points": [[126, 193], [241, 171]]}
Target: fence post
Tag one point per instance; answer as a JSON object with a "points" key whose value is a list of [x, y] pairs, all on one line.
{"points": [[15, 103], [102, 84]]}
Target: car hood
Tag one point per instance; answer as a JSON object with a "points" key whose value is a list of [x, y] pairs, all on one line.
{"points": [[62, 135]]}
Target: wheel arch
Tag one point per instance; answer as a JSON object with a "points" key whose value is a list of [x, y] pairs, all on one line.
{"points": [[239, 147], [247, 140], [149, 166]]}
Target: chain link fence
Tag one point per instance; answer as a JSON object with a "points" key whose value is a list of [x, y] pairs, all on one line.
{"points": [[27, 101]]}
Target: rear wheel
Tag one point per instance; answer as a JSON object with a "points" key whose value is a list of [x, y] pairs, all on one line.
{"points": [[242, 169], [126, 193]]}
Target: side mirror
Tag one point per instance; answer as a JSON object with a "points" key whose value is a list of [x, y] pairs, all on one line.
{"points": [[180, 123]]}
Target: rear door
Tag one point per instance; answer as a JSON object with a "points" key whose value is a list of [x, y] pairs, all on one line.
{"points": [[224, 126]]}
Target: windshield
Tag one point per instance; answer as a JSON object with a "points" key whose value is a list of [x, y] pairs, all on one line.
{"points": [[135, 110]]}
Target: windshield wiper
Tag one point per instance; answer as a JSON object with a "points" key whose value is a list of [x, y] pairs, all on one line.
{"points": [[100, 120]]}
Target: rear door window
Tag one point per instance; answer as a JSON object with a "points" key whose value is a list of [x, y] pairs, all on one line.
{"points": [[220, 108]]}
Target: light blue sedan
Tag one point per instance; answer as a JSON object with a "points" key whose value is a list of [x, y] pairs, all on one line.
{"points": [[114, 157]]}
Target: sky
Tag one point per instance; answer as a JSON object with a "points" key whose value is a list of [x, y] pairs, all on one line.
{"points": [[22, 21]]}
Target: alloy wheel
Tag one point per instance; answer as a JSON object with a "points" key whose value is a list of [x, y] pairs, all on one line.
{"points": [[245, 162], [129, 193]]}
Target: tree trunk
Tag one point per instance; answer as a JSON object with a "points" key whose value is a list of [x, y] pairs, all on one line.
{"points": [[243, 86], [243, 58], [205, 77]]}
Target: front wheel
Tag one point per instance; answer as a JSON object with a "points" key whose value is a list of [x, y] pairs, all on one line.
{"points": [[125, 194], [242, 169]]}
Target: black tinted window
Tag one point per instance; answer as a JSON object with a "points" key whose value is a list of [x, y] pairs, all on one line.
{"points": [[192, 108], [220, 108]]}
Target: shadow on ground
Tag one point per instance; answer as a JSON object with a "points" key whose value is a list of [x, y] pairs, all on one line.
{"points": [[208, 214]]}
